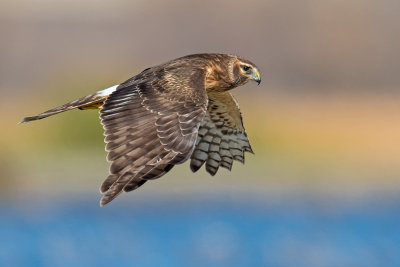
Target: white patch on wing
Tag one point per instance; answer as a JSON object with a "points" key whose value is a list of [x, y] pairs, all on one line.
{"points": [[107, 91]]}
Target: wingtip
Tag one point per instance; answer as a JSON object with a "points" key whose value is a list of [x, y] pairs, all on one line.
{"points": [[194, 168], [195, 164], [211, 170], [107, 199], [103, 202]]}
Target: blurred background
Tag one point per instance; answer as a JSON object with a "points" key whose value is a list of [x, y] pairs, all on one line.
{"points": [[323, 188]]}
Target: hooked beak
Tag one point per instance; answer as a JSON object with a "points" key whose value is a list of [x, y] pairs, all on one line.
{"points": [[256, 76]]}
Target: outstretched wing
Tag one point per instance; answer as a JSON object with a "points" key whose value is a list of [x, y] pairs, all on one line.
{"points": [[151, 123], [222, 137]]}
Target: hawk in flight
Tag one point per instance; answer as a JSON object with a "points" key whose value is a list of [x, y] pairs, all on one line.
{"points": [[167, 114]]}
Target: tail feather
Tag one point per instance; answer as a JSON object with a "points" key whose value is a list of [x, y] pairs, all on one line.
{"points": [[88, 102]]}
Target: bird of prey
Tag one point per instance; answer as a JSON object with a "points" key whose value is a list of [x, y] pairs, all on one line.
{"points": [[167, 114]]}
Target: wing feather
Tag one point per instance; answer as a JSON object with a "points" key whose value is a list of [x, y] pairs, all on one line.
{"points": [[222, 137], [150, 126]]}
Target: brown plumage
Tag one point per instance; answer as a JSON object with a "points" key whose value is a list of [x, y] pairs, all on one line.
{"points": [[167, 114]]}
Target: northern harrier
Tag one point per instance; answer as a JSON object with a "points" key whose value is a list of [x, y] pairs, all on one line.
{"points": [[167, 114]]}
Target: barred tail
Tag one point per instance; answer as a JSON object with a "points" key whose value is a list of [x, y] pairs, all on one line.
{"points": [[93, 101]]}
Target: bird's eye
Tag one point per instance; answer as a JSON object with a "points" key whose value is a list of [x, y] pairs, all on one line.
{"points": [[245, 68]]}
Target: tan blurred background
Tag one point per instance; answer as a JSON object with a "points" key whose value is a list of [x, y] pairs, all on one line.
{"points": [[325, 119]]}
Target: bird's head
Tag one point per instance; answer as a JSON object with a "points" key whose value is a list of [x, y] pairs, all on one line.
{"points": [[244, 71], [225, 72]]}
